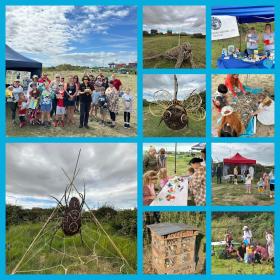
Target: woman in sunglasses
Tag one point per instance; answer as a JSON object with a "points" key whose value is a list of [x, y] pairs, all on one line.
{"points": [[85, 93]]}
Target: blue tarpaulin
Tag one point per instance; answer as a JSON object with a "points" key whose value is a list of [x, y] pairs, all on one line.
{"points": [[246, 14], [17, 62]]}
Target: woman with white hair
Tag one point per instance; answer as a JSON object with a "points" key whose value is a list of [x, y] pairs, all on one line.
{"points": [[247, 235], [150, 160]]}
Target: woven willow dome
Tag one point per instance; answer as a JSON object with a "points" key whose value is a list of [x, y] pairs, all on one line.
{"points": [[173, 248]]}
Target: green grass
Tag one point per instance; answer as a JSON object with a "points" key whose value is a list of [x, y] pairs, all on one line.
{"points": [[151, 127], [19, 238], [258, 222], [232, 266], [153, 45], [182, 162], [230, 194], [218, 45]]}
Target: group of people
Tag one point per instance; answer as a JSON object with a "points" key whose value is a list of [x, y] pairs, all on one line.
{"points": [[264, 184], [253, 39], [249, 251], [58, 100], [156, 176], [236, 107]]}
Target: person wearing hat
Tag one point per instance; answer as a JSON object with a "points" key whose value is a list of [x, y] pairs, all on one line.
{"points": [[198, 181], [247, 235], [85, 93]]}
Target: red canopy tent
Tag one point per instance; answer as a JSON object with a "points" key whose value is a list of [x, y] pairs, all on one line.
{"points": [[239, 159]]}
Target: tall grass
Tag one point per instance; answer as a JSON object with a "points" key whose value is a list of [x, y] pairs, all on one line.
{"points": [[95, 255]]}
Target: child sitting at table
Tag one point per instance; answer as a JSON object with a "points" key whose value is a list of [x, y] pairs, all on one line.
{"points": [[220, 98], [163, 177], [149, 183], [252, 39]]}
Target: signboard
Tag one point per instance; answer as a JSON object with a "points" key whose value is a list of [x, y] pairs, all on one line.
{"points": [[224, 27]]}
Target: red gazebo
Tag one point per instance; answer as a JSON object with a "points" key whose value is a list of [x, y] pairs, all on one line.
{"points": [[237, 160]]}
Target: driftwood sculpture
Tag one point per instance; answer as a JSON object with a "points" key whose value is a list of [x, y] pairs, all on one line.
{"points": [[180, 53]]}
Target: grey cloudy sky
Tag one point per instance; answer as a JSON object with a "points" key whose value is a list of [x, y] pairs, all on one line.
{"points": [[169, 147], [33, 172], [263, 153], [186, 83], [189, 19]]}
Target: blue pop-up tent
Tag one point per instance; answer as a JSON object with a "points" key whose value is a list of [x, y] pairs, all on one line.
{"points": [[17, 62], [246, 14]]}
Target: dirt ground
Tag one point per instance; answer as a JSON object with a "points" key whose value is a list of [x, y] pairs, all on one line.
{"points": [[253, 80]]}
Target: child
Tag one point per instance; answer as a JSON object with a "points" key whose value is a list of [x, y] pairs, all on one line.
{"points": [[252, 39], [22, 105], [221, 98], [34, 96], [161, 158], [149, 180], [163, 177], [248, 183], [103, 105], [190, 173], [98, 85], [249, 256], [46, 107], [260, 185], [60, 107], [127, 101], [9, 93]]}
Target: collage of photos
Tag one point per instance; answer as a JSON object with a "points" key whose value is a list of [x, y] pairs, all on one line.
{"points": [[107, 120], [80, 79]]}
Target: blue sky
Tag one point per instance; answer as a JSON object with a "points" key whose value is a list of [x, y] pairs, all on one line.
{"points": [[79, 35]]}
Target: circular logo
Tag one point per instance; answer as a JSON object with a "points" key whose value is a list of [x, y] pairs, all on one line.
{"points": [[216, 23]]}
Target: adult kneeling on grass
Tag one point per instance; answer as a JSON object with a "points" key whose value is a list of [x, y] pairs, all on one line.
{"points": [[85, 93]]}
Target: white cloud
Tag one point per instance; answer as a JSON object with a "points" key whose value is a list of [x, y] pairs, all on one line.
{"points": [[189, 19], [49, 32], [108, 170], [40, 29], [263, 153], [186, 84]]}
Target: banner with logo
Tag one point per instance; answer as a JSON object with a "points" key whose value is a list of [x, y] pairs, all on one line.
{"points": [[224, 27]]}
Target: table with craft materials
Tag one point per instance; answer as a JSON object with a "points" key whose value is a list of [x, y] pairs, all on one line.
{"points": [[173, 193]]}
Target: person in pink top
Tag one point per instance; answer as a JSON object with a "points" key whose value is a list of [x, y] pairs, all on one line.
{"points": [[234, 85], [149, 181]]}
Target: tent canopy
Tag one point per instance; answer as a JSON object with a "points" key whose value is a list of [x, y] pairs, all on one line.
{"points": [[16, 61], [246, 14], [239, 159]]}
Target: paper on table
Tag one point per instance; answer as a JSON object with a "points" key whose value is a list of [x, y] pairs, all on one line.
{"points": [[174, 193]]}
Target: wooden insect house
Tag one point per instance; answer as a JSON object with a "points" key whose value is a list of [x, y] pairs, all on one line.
{"points": [[173, 248]]}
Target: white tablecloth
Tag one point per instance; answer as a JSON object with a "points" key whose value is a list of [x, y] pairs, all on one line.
{"points": [[174, 193]]}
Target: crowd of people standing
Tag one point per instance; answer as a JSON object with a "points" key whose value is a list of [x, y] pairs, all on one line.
{"points": [[47, 102]]}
